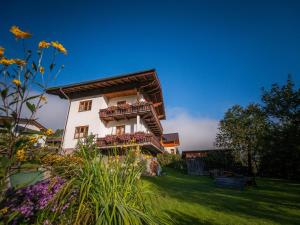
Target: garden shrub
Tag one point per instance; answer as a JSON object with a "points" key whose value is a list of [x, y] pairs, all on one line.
{"points": [[223, 160], [108, 191], [172, 161], [21, 206]]}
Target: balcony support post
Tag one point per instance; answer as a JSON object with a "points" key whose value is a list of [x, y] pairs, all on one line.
{"points": [[138, 122]]}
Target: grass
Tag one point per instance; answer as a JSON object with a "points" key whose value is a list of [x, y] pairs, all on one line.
{"points": [[195, 200]]}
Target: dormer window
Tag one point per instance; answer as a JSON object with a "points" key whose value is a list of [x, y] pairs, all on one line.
{"points": [[85, 106]]}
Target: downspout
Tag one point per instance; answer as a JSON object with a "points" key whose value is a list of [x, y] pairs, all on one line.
{"points": [[64, 132]]}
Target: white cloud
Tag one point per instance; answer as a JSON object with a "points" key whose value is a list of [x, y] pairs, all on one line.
{"points": [[194, 132], [51, 115], [54, 113]]}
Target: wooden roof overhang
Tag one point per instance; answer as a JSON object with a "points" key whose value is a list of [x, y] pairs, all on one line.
{"points": [[145, 82]]}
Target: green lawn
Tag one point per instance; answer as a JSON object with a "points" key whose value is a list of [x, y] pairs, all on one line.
{"points": [[195, 200]]}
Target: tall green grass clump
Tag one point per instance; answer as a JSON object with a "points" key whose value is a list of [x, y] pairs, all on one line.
{"points": [[102, 190]]}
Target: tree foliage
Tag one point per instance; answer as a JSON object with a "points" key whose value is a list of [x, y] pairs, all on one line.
{"points": [[266, 136], [242, 130], [281, 155]]}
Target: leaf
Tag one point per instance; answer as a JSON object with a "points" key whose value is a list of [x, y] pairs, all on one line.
{"points": [[31, 97], [4, 93], [31, 107], [3, 109], [52, 66], [27, 74], [34, 66], [13, 102], [14, 115], [39, 84]]}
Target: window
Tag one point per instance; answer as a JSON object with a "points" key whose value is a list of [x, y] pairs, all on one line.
{"points": [[172, 151], [81, 132], [120, 130], [121, 103], [85, 106]]}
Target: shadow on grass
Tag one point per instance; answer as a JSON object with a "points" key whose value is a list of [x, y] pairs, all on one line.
{"points": [[273, 200], [180, 218]]}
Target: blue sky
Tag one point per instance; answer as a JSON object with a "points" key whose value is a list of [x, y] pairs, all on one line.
{"points": [[209, 55]]}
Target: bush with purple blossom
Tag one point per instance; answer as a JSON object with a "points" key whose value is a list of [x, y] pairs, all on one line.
{"points": [[23, 204]]}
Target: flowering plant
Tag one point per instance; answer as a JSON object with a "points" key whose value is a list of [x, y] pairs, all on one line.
{"points": [[110, 139], [23, 204], [111, 109], [23, 85], [124, 138], [139, 136]]}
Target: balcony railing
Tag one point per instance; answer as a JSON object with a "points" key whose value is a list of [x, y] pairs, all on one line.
{"points": [[139, 138], [127, 111]]}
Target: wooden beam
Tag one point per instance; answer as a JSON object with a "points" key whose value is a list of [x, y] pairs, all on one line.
{"points": [[157, 104]]}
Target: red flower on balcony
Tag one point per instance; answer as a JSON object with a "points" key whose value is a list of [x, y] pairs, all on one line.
{"points": [[139, 136], [110, 139], [111, 109], [124, 138]]}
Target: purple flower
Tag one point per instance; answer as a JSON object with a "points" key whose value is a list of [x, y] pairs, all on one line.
{"points": [[28, 200]]}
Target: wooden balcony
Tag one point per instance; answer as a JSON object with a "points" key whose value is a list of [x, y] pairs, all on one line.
{"points": [[146, 140], [144, 109]]}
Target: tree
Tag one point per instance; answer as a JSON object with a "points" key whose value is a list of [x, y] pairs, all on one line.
{"points": [[281, 155], [58, 133], [242, 131]]}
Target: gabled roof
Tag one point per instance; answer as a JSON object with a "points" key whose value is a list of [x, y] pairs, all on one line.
{"points": [[146, 82], [24, 120], [170, 138]]}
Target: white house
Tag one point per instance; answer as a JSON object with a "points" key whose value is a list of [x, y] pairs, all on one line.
{"points": [[171, 143], [26, 126], [120, 111]]}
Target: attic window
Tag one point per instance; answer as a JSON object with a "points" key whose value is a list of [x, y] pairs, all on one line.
{"points": [[85, 106]]}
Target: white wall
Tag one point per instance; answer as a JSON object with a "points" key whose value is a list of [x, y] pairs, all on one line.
{"points": [[91, 118], [169, 149], [85, 118], [129, 99], [130, 126]]}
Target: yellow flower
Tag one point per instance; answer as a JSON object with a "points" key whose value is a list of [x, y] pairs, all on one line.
{"points": [[20, 62], [43, 98], [49, 132], [4, 210], [21, 155], [16, 82], [42, 70], [1, 51], [19, 33], [59, 47], [44, 44], [33, 139], [6, 61]]}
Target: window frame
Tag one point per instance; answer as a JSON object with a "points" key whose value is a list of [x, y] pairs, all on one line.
{"points": [[119, 126], [85, 133], [85, 105]]}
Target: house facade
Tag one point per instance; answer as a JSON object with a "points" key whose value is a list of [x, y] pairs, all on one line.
{"points": [[171, 143], [120, 111]]}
